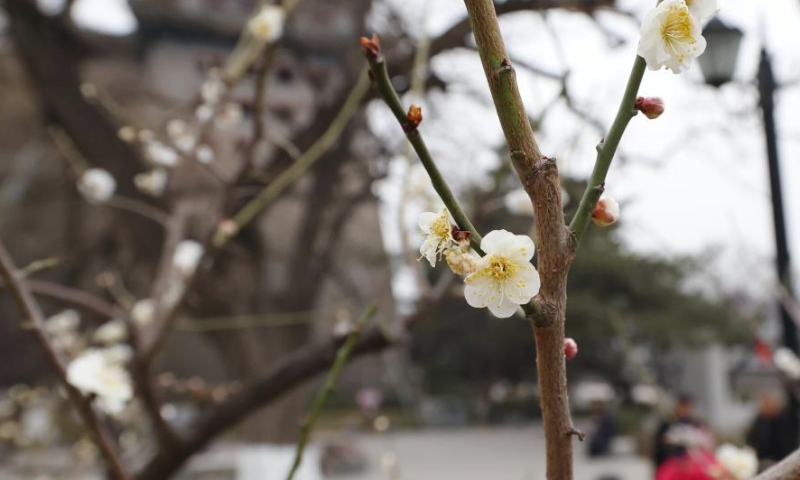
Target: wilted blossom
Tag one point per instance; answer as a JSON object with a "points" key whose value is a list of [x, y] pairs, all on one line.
{"points": [[461, 261], [438, 231], [267, 24], [97, 185], [504, 279], [153, 182], [741, 463], [671, 36], [101, 372], [186, 257]]}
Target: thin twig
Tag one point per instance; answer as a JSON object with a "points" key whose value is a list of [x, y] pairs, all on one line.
{"points": [[605, 152], [289, 176], [342, 355], [383, 83], [140, 208], [16, 284]]}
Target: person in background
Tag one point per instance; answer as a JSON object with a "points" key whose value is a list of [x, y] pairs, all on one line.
{"points": [[771, 434], [675, 434]]}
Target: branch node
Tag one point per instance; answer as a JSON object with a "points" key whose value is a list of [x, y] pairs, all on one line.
{"points": [[577, 433]]}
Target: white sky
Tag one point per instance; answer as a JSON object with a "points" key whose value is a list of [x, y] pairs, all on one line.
{"points": [[696, 178]]}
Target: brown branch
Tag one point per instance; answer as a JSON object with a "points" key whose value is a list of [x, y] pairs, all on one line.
{"points": [[35, 324], [289, 372], [72, 296], [539, 177], [786, 469]]}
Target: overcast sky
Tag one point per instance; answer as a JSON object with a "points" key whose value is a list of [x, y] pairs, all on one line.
{"points": [[696, 178]]}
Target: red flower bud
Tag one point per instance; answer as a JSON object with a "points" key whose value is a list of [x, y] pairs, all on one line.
{"points": [[371, 46], [414, 116], [652, 107], [606, 212], [570, 348]]}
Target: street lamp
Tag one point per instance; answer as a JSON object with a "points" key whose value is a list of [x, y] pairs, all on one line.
{"points": [[719, 60], [717, 64]]}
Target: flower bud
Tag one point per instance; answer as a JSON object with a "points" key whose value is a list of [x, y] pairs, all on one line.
{"points": [[461, 262], [606, 212], [372, 47], [652, 107], [414, 117], [570, 348]]}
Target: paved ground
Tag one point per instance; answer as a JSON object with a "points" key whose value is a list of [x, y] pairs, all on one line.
{"points": [[483, 454]]}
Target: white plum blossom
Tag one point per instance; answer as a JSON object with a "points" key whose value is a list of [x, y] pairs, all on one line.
{"points": [[153, 182], [702, 9], [671, 37], [787, 362], [267, 24], [606, 212], [741, 463], [504, 279], [101, 372], [176, 127], [518, 202], [212, 90], [63, 330], [204, 154], [112, 332], [143, 311], [97, 185], [186, 257], [438, 231], [161, 154], [204, 112]]}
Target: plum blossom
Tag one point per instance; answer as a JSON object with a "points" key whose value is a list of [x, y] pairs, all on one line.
{"points": [[143, 311], [101, 372], [787, 362], [112, 332], [518, 202], [741, 463], [267, 24], [606, 212], [504, 279], [702, 9], [186, 257], [161, 154], [461, 261], [97, 185], [63, 330], [153, 182], [438, 231], [671, 36]]}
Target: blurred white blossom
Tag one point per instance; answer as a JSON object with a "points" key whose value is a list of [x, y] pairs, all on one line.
{"points": [[205, 154], [702, 9], [787, 362], [186, 257], [671, 37], [63, 330], [111, 332], [742, 463], [153, 182], [518, 202], [97, 185], [504, 278], [143, 311], [267, 24], [212, 90], [161, 154], [101, 371]]}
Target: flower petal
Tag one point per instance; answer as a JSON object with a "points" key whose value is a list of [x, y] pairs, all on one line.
{"points": [[425, 221], [480, 291], [503, 307], [523, 286]]}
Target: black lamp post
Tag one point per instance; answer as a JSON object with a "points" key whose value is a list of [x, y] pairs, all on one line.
{"points": [[718, 64]]}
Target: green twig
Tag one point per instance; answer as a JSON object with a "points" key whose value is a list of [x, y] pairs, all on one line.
{"points": [[289, 176], [389, 95], [330, 381], [605, 152]]}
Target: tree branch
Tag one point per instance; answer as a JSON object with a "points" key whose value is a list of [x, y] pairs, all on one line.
{"points": [[286, 374], [342, 356], [27, 303], [605, 153], [539, 177], [389, 95]]}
